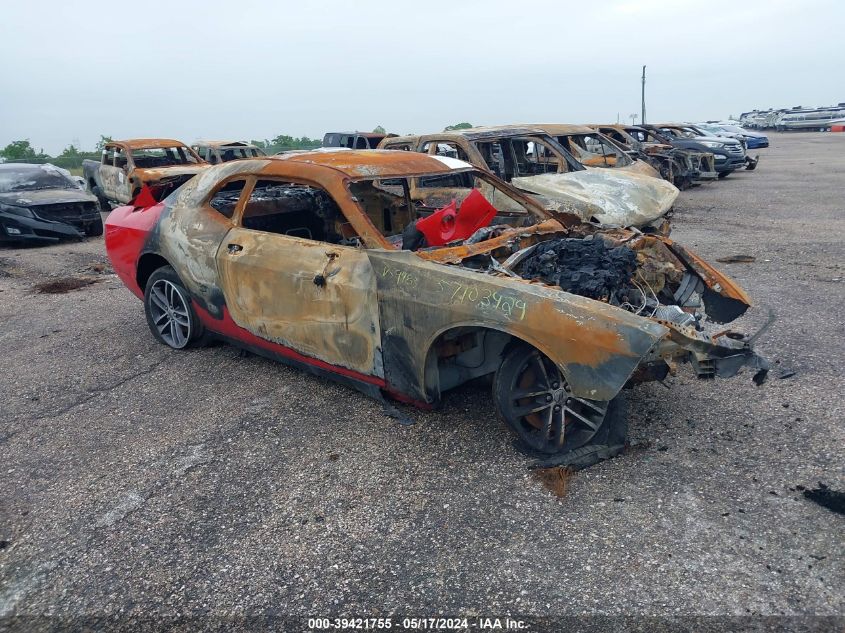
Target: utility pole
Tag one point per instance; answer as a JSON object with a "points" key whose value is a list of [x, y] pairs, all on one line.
{"points": [[642, 117]]}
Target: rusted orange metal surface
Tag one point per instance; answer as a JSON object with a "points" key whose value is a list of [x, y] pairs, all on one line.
{"points": [[379, 310]]}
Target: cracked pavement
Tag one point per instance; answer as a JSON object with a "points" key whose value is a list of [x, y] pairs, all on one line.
{"points": [[142, 481]]}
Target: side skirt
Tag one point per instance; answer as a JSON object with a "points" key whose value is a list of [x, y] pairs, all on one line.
{"points": [[227, 330]]}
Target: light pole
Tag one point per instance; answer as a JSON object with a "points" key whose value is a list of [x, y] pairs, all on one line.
{"points": [[642, 118]]}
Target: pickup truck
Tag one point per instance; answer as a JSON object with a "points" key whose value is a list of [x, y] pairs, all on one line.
{"points": [[126, 166]]}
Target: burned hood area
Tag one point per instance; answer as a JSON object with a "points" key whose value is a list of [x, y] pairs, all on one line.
{"points": [[589, 267]]}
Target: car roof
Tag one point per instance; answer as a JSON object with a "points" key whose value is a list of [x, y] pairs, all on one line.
{"points": [[473, 133], [365, 134], [148, 143], [223, 144], [33, 166], [11, 166], [376, 163], [564, 128]]}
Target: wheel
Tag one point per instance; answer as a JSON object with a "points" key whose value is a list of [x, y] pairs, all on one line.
{"points": [[171, 317], [534, 401], [724, 174], [95, 229], [101, 198]]}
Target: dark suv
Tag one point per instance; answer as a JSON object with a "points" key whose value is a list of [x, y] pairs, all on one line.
{"points": [[729, 153]]}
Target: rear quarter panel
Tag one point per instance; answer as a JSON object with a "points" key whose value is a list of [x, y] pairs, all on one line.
{"points": [[127, 235]]}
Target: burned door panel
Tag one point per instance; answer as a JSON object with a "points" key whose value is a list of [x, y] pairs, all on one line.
{"points": [[313, 297]]}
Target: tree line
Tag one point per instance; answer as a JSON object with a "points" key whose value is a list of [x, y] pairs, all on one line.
{"points": [[71, 157]]}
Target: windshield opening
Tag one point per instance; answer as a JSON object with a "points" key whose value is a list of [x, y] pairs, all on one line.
{"points": [[440, 209], [151, 157], [593, 150], [33, 178]]}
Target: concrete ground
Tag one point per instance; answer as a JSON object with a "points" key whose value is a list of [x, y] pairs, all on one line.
{"points": [[139, 481]]}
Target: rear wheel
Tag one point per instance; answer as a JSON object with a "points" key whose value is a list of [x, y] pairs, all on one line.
{"points": [[534, 400], [171, 317]]}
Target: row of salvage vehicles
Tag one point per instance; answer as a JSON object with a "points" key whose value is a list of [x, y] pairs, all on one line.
{"points": [[408, 273]]}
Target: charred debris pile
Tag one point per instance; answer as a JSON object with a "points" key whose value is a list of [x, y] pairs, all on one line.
{"points": [[598, 268], [588, 267]]}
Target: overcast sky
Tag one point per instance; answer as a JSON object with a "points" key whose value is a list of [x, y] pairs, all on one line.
{"points": [[252, 70]]}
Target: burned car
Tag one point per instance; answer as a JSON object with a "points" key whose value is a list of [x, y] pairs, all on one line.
{"points": [[214, 152], [43, 204], [534, 162], [683, 167], [355, 140], [593, 149], [406, 275], [127, 166]]}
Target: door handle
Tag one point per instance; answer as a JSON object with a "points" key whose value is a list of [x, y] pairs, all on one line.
{"points": [[234, 249]]}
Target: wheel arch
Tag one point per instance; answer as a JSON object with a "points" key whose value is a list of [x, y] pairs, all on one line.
{"points": [[450, 348], [148, 263]]}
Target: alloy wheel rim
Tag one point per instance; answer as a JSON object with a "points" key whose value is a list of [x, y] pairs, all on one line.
{"points": [[548, 416], [169, 310]]}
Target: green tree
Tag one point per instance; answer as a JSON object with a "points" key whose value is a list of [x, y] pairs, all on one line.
{"points": [[284, 140], [379, 130], [70, 152], [458, 126], [19, 150], [101, 144]]}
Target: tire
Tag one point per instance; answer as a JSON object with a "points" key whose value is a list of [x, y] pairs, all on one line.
{"points": [[547, 419], [170, 315], [105, 207], [724, 174], [95, 229]]}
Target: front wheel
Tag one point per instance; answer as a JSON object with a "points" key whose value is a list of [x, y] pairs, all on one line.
{"points": [[533, 399], [105, 207], [94, 229], [724, 174], [171, 317]]}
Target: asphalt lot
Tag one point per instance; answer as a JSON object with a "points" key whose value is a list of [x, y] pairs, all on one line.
{"points": [[141, 481]]}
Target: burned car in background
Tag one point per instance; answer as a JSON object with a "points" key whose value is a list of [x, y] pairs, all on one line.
{"points": [[214, 152], [413, 274], [682, 167], [534, 162], [127, 166], [43, 204], [355, 140], [593, 149]]}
